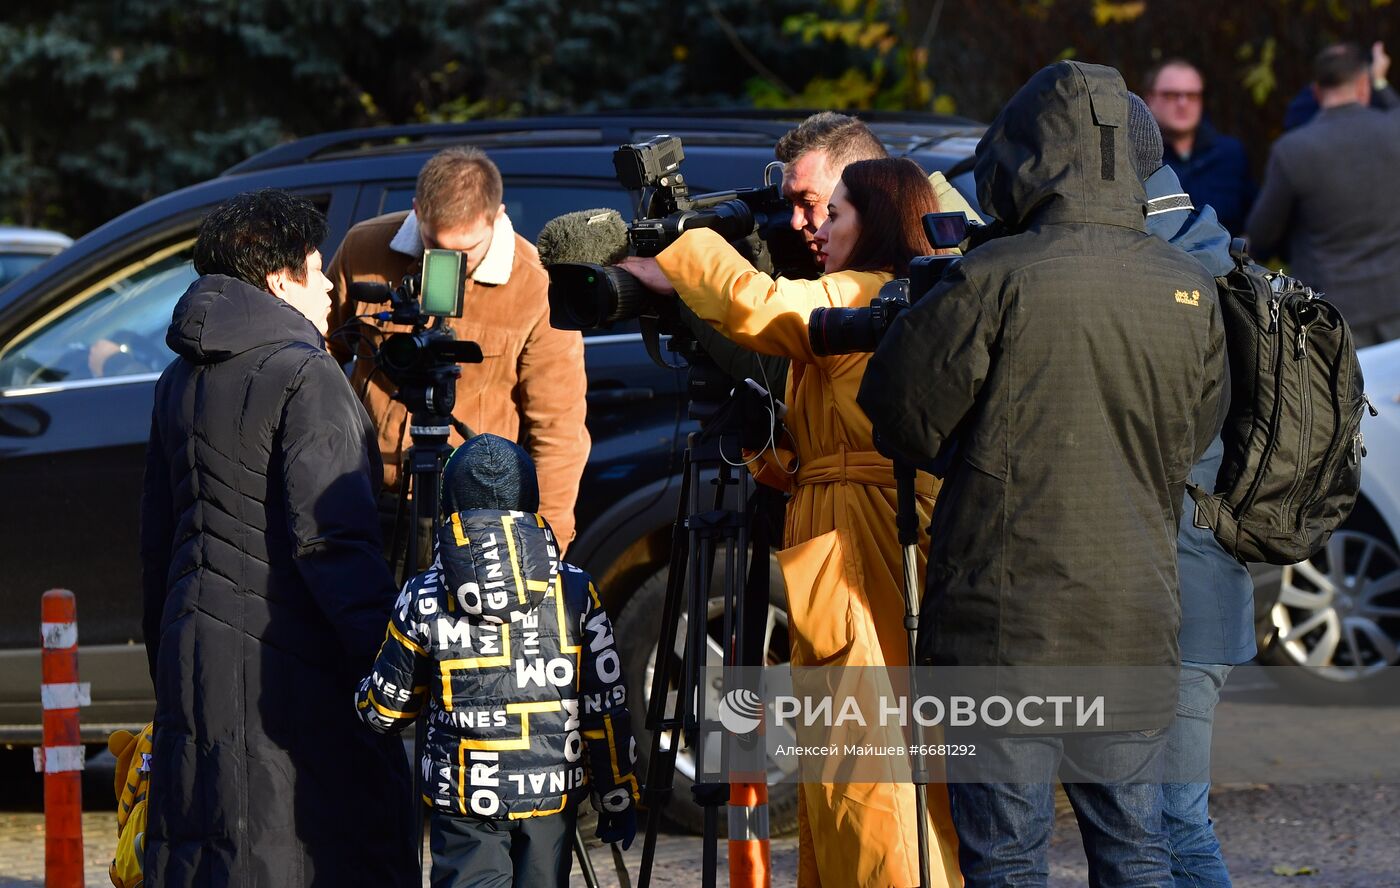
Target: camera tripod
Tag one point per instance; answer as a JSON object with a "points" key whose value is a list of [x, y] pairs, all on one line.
{"points": [[702, 531], [420, 480]]}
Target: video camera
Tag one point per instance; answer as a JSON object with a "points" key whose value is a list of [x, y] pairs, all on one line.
{"points": [[423, 362], [586, 295], [843, 331]]}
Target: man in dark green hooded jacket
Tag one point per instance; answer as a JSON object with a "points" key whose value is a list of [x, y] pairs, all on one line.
{"points": [[1068, 374]]}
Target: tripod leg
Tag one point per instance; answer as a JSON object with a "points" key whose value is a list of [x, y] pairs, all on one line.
{"points": [[908, 526], [585, 863], [661, 762], [420, 486], [919, 770], [410, 481], [749, 852], [694, 676], [399, 538]]}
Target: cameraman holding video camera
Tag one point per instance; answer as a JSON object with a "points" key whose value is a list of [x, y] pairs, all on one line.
{"points": [[530, 385], [842, 561], [1076, 365], [813, 155]]}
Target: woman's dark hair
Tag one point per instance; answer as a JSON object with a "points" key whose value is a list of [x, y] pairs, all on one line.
{"points": [[258, 233], [891, 195]]}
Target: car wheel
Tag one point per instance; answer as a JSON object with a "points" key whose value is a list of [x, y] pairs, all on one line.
{"points": [[1335, 620], [638, 626]]}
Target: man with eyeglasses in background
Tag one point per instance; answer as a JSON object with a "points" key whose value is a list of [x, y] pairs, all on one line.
{"points": [[1212, 167]]}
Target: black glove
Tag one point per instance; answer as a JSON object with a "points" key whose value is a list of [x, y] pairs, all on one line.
{"points": [[617, 826]]}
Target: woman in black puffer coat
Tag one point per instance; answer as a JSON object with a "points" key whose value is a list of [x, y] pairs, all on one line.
{"points": [[266, 598]]}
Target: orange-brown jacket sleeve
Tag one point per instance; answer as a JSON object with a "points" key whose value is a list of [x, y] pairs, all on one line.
{"points": [[553, 408]]}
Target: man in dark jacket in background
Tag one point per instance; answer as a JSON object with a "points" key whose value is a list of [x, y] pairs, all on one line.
{"points": [[1303, 107], [1217, 594], [1213, 167], [1330, 196], [266, 594], [1077, 362]]}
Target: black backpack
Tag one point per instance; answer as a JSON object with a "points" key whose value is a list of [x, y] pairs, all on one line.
{"points": [[1293, 447]]}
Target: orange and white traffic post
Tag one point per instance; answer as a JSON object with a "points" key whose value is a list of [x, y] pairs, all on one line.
{"points": [[61, 758], [749, 864]]}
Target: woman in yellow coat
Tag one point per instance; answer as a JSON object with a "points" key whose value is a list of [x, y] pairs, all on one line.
{"points": [[842, 560]]}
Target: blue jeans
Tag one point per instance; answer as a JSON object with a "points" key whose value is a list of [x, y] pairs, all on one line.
{"points": [[1004, 828], [1195, 852]]}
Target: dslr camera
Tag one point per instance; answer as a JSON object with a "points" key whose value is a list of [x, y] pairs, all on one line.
{"points": [[424, 363], [584, 296], [844, 331]]}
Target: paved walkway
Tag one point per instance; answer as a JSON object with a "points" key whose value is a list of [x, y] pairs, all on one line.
{"points": [[22, 849], [1345, 834], [22, 855]]}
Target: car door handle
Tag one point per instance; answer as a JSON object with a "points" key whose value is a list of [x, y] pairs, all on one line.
{"points": [[609, 393], [23, 421]]}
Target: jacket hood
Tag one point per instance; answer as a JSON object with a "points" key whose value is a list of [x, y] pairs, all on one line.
{"points": [[1059, 152], [220, 316], [498, 565], [1196, 230]]}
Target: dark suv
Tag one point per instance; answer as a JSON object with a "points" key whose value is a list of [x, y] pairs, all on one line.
{"points": [[73, 436]]}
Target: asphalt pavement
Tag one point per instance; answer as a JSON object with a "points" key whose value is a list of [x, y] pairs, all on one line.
{"points": [[1326, 836], [1305, 796]]}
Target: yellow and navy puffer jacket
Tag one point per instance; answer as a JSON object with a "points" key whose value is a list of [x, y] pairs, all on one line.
{"points": [[513, 654]]}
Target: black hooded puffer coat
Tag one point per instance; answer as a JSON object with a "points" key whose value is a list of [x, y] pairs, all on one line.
{"points": [[1078, 363], [265, 599]]}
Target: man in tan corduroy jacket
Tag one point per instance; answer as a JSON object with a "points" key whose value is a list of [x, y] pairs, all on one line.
{"points": [[530, 386]]}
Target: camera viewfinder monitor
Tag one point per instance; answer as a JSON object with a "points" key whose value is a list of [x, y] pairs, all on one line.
{"points": [[945, 230], [444, 281]]}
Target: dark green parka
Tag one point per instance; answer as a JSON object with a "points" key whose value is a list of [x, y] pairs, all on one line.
{"points": [[1077, 362]]}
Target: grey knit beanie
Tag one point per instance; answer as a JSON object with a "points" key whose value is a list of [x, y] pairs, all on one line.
{"points": [[1145, 136]]}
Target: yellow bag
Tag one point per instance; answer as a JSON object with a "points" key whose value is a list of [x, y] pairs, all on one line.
{"points": [[133, 778]]}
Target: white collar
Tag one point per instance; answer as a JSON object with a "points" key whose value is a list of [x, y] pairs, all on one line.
{"points": [[495, 265]]}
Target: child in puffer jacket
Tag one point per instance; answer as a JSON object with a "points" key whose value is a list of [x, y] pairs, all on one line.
{"points": [[512, 653]]}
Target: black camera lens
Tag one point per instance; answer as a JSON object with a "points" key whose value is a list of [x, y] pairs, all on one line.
{"points": [[845, 331], [733, 219], [583, 296], [842, 331], [404, 351]]}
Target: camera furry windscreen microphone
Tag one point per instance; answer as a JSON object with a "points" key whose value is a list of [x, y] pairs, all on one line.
{"points": [[598, 237]]}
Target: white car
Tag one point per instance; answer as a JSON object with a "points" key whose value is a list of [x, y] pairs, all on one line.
{"points": [[1330, 626], [23, 248]]}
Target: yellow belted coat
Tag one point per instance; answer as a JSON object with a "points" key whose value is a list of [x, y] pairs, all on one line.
{"points": [[842, 562]]}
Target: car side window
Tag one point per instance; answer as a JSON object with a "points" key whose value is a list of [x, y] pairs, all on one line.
{"points": [[114, 329]]}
